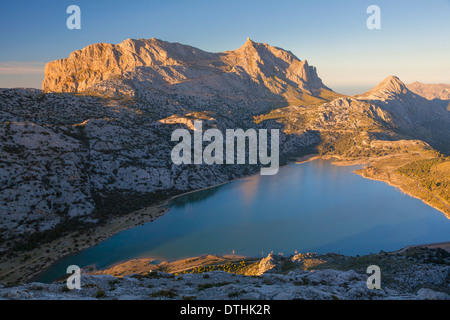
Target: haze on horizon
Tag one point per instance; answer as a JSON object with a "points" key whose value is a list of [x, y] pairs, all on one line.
{"points": [[413, 42]]}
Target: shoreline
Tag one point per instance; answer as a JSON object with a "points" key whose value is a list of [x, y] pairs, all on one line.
{"points": [[442, 245], [309, 276], [149, 214]]}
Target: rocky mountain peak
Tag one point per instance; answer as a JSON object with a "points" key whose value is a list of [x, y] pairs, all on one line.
{"points": [[388, 88], [254, 71]]}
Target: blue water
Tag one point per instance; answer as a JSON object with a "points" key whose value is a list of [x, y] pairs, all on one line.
{"points": [[308, 207]]}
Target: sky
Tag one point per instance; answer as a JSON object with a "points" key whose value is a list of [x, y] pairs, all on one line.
{"points": [[413, 42]]}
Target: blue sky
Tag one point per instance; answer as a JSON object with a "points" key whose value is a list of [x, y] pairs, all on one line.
{"points": [[413, 43]]}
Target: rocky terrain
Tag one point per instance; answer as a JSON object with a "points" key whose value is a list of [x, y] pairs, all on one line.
{"points": [[414, 274], [94, 145], [257, 73]]}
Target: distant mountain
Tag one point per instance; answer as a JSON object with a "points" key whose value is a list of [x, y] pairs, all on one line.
{"points": [[255, 71], [412, 114], [431, 91]]}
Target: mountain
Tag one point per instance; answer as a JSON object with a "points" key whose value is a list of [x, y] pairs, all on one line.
{"points": [[431, 91], [95, 143], [389, 111], [145, 68]]}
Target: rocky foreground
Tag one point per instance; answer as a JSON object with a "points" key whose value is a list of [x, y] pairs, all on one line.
{"points": [[410, 274]]}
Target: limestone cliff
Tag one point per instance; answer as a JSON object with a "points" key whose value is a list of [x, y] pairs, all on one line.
{"points": [[431, 91], [254, 71]]}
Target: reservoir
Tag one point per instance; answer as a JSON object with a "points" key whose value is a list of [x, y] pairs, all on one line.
{"points": [[307, 207]]}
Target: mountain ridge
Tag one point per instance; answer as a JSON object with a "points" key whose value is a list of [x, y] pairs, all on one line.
{"points": [[255, 71]]}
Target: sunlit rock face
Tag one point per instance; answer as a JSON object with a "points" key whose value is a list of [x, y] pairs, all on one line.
{"points": [[254, 71]]}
